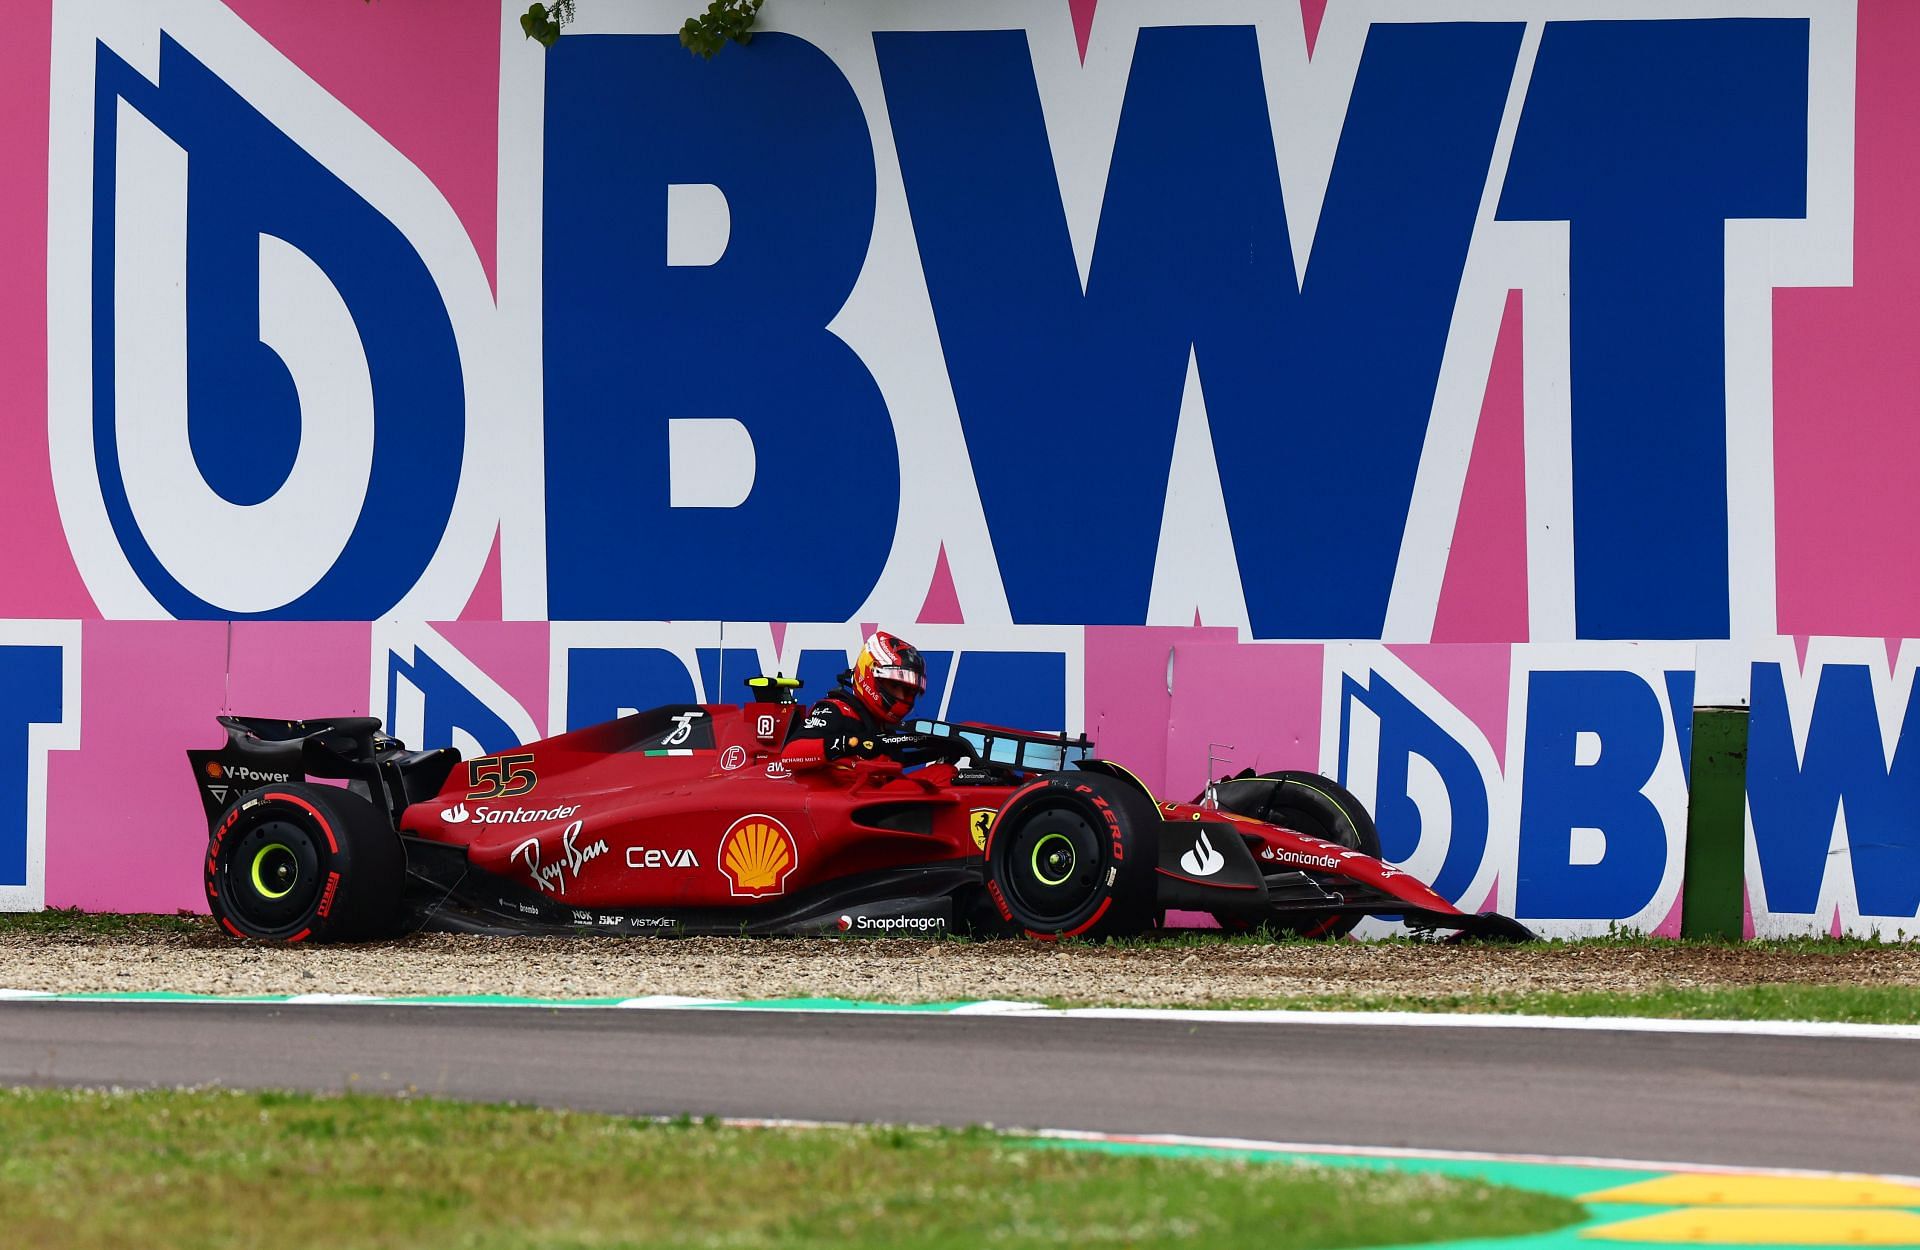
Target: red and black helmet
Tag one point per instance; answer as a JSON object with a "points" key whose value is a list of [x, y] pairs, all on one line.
{"points": [[889, 676]]}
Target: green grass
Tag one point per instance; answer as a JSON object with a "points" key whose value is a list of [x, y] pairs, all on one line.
{"points": [[89, 1169], [71, 922], [1809, 944], [1852, 1004]]}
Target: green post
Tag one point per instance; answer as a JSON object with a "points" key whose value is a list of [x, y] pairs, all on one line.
{"points": [[1711, 897]]}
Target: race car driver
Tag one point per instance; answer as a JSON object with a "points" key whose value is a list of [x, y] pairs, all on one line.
{"points": [[862, 718]]}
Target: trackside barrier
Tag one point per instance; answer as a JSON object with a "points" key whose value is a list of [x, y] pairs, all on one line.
{"points": [[1713, 891]]}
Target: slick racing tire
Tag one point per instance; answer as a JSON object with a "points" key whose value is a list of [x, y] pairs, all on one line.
{"points": [[295, 863], [1074, 856], [1311, 804]]}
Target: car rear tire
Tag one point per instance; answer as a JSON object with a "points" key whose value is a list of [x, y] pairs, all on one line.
{"points": [[1074, 856], [297, 863], [1314, 805]]}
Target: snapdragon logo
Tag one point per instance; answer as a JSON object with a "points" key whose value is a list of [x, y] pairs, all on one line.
{"points": [[891, 924]]}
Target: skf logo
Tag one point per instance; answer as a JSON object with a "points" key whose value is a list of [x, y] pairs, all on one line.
{"points": [[758, 854]]}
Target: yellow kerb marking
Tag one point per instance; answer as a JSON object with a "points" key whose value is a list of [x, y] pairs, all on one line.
{"points": [[1767, 1226], [1744, 1189]]}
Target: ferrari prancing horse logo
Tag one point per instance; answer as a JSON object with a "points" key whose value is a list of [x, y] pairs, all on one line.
{"points": [[981, 820]]}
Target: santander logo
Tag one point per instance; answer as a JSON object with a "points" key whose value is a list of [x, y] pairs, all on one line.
{"points": [[1202, 860], [484, 815]]}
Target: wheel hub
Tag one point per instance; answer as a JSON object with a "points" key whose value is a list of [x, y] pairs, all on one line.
{"points": [[1053, 859], [275, 870]]}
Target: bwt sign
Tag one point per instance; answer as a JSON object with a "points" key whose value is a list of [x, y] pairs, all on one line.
{"points": [[1582, 825], [1582, 829], [856, 294], [39, 712], [1833, 790]]}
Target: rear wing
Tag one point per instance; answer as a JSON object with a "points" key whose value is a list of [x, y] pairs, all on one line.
{"points": [[261, 752]]}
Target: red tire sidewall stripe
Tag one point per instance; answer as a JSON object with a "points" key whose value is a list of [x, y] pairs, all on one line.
{"points": [[986, 852], [333, 843], [1092, 920]]}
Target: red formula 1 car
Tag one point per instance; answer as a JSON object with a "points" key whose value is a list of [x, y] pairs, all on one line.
{"points": [[682, 820]]}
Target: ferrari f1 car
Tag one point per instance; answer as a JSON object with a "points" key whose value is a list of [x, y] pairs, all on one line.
{"points": [[684, 820]]}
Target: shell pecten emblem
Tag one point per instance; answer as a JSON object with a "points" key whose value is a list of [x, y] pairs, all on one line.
{"points": [[758, 854]]}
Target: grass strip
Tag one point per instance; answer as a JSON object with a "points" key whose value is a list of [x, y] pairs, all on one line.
{"points": [[71, 922], [1842, 1004], [213, 1169]]}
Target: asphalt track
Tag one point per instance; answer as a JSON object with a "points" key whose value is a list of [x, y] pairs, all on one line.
{"points": [[1759, 1101]]}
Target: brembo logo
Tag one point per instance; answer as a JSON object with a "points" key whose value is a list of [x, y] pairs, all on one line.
{"points": [[459, 815]]}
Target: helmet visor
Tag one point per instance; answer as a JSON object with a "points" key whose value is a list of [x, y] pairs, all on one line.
{"points": [[899, 693], [907, 677]]}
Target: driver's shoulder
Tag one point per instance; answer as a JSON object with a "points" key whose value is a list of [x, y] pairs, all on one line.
{"points": [[834, 705]]}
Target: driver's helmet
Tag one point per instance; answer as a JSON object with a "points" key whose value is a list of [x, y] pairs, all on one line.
{"points": [[889, 676]]}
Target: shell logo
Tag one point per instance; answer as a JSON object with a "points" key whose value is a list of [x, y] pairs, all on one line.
{"points": [[214, 769], [758, 854]]}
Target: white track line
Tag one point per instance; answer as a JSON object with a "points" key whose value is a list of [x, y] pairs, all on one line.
{"points": [[1250, 1145], [1014, 1010], [1452, 1020]]}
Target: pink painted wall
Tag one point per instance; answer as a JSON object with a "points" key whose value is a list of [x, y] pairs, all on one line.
{"points": [[40, 579], [1846, 374], [130, 828]]}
